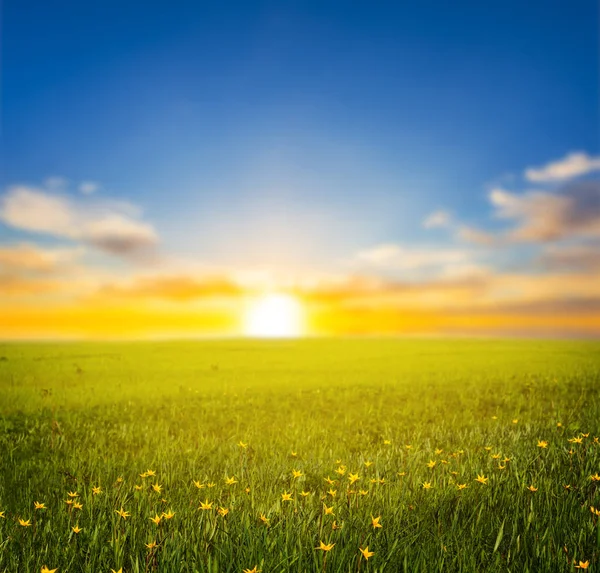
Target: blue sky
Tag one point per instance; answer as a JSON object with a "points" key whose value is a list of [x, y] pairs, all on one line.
{"points": [[295, 131]]}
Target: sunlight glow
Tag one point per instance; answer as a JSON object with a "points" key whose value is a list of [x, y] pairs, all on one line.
{"points": [[274, 316]]}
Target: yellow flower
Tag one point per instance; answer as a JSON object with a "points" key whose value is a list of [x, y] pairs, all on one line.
{"points": [[124, 514], [576, 440], [46, 570], [368, 464], [230, 481], [168, 515], [2, 514], [242, 445], [495, 456], [297, 474], [73, 494], [157, 488], [265, 519], [595, 477], [305, 493], [595, 511], [494, 417], [542, 444], [119, 479], [38, 505], [294, 454], [96, 490], [77, 505], [438, 451], [151, 545], [206, 505], [488, 448], [253, 570], [211, 484], [150, 473], [25, 523], [481, 479], [387, 442], [583, 565], [363, 492], [375, 522], [431, 464], [329, 480], [328, 510], [408, 446], [325, 547], [223, 511], [532, 488], [567, 486], [366, 553], [76, 529], [144, 475], [462, 486], [137, 487], [332, 492], [426, 485], [501, 467], [198, 484], [286, 496], [156, 519], [515, 421], [335, 526], [119, 571], [69, 501], [341, 470], [401, 474]]}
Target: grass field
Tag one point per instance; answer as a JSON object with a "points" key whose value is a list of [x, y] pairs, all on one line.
{"points": [[249, 455]]}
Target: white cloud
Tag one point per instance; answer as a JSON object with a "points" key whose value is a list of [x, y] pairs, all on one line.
{"points": [[572, 165], [112, 227], [88, 187], [437, 219]]}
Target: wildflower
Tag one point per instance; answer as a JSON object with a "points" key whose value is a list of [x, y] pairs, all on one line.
{"points": [[206, 505], [230, 481], [461, 486], [96, 490], [329, 480], [120, 479], [366, 553], [583, 565], [265, 519], [223, 511], [532, 488], [325, 547], [335, 526], [286, 496], [46, 570], [72, 494], [567, 486], [305, 493], [328, 510], [25, 523], [375, 522], [353, 478], [168, 515], [332, 492], [247, 490], [297, 474], [150, 473], [77, 505], [431, 464], [124, 514], [253, 570], [363, 492], [501, 466], [595, 511], [495, 456], [119, 571], [157, 488], [387, 442], [198, 484], [242, 445], [585, 435], [211, 484], [38, 505], [137, 487], [69, 501], [576, 440], [542, 444], [595, 477], [151, 545], [144, 475], [341, 470], [368, 464], [401, 474], [481, 479], [515, 421], [408, 446], [2, 515], [156, 519], [294, 454], [426, 485], [76, 529], [494, 417], [558, 424]]}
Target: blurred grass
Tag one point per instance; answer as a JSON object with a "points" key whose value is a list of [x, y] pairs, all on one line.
{"points": [[77, 415]]}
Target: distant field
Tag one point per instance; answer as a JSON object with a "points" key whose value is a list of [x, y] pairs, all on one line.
{"points": [[351, 429]]}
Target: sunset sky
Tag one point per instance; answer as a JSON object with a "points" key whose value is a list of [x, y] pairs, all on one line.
{"points": [[394, 168]]}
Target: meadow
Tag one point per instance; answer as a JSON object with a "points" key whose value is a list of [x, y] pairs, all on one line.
{"points": [[298, 455]]}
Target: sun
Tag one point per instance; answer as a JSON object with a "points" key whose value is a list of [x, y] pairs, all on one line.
{"points": [[274, 316]]}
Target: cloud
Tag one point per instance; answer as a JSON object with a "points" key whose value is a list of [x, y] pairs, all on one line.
{"points": [[437, 219], [112, 227], [28, 257], [477, 236], [88, 187], [570, 166], [174, 288], [571, 258]]}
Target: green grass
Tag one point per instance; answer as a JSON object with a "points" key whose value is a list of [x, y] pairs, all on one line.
{"points": [[75, 416]]}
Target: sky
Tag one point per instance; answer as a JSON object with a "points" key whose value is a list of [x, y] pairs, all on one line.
{"points": [[398, 168]]}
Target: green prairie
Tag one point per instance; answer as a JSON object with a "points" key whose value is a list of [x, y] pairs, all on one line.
{"points": [[395, 429]]}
